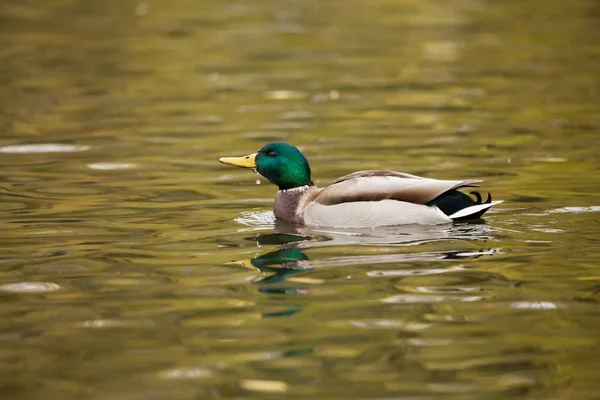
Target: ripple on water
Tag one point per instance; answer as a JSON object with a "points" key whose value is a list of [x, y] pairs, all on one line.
{"points": [[72, 190], [409, 298], [30, 287], [13, 206], [388, 324], [186, 373], [257, 219], [285, 95], [412, 272], [265, 386], [575, 210], [113, 323], [535, 305], [43, 148], [111, 166]]}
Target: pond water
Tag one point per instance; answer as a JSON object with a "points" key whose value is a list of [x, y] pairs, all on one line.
{"points": [[134, 266]]}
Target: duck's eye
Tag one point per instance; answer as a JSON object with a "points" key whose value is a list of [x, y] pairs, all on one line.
{"points": [[271, 153]]}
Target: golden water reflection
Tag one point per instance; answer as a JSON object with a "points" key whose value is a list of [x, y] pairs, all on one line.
{"points": [[120, 231]]}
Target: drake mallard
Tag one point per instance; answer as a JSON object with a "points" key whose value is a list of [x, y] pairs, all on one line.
{"points": [[362, 199]]}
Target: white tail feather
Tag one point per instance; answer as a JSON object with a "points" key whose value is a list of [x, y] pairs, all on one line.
{"points": [[465, 212]]}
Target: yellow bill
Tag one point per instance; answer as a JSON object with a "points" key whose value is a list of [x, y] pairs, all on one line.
{"points": [[243, 162]]}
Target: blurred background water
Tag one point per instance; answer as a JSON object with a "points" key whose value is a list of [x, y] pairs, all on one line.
{"points": [[134, 266]]}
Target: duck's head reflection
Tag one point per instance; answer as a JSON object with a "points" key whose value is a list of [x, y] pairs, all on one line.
{"points": [[281, 264]]}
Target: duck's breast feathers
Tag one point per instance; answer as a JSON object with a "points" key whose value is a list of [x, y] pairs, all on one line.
{"points": [[382, 185]]}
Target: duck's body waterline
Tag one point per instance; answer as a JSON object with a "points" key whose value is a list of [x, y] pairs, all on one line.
{"points": [[362, 199]]}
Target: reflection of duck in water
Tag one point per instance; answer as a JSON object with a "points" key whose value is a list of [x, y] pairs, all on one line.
{"points": [[290, 259], [362, 199], [281, 269]]}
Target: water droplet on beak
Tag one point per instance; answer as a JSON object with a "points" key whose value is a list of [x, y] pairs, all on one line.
{"points": [[258, 181]]}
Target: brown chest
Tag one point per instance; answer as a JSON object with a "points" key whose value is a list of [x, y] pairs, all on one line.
{"points": [[288, 204]]}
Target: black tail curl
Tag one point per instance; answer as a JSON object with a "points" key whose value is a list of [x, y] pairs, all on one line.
{"points": [[480, 199], [453, 201]]}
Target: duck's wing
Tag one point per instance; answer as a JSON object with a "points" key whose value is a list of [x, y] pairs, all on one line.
{"points": [[375, 172], [375, 185]]}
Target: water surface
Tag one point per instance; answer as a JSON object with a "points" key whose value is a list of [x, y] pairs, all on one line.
{"points": [[134, 266]]}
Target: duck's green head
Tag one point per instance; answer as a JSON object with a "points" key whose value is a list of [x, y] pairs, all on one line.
{"points": [[282, 164]]}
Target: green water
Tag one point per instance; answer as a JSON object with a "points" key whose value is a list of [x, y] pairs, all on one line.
{"points": [[134, 266]]}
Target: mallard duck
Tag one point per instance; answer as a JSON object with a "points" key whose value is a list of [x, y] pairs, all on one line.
{"points": [[362, 199]]}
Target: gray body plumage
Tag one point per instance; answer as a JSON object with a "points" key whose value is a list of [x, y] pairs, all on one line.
{"points": [[369, 199]]}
